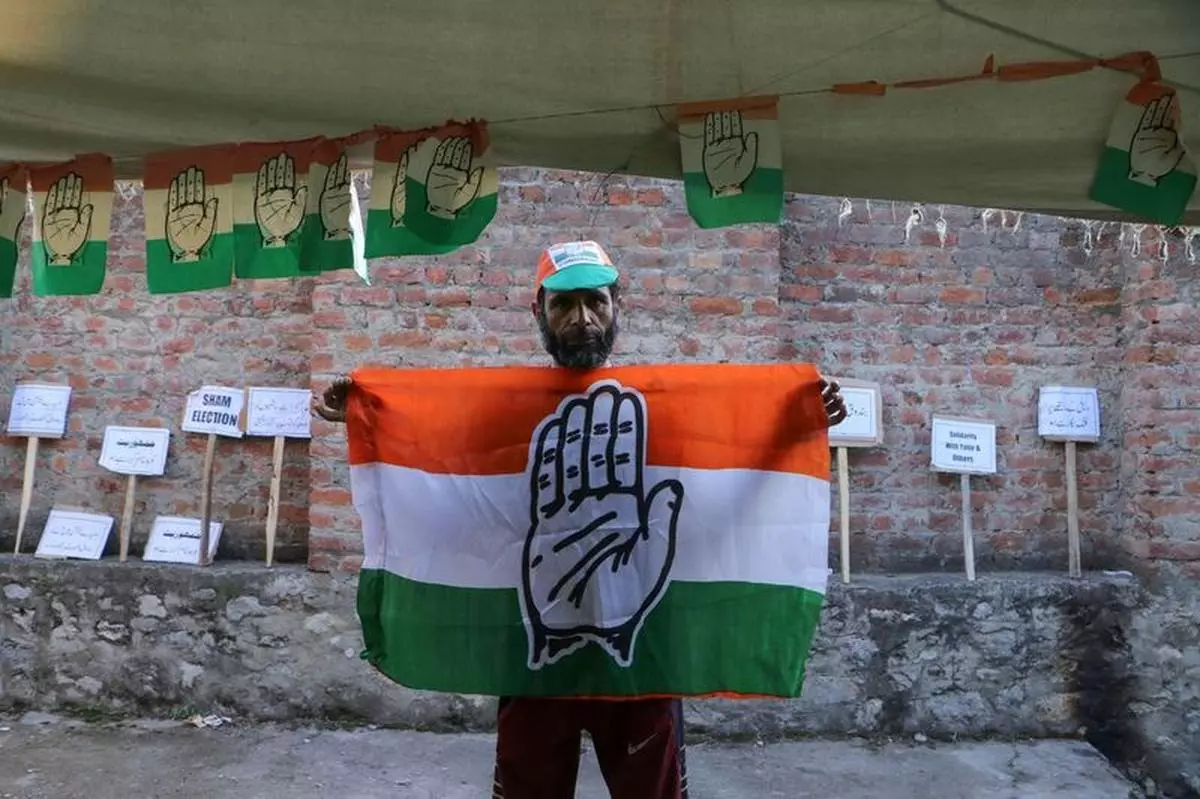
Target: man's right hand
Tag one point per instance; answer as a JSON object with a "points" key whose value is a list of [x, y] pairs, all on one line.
{"points": [[332, 404]]}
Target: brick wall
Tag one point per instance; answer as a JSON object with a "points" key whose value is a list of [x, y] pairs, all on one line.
{"points": [[968, 321]]}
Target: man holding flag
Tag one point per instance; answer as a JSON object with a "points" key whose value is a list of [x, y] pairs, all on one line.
{"points": [[638, 741]]}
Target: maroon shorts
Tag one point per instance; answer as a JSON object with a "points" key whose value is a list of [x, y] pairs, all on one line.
{"points": [[639, 745]]}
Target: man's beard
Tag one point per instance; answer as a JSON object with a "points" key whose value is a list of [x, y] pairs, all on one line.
{"points": [[588, 351]]}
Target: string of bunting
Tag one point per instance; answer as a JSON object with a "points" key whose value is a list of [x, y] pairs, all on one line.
{"points": [[260, 210]]}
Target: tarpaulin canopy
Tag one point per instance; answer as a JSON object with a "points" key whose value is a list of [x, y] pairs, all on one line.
{"points": [[592, 85]]}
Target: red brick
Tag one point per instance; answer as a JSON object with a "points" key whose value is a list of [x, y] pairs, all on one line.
{"points": [[719, 306], [961, 295]]}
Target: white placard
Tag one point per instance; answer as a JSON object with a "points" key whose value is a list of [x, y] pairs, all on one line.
{"points": [[39, 409], [862, 426], [135, 450], [176, 539], [215, 409], [279, 412], [964, 445], [1069, 413], [74, 534]]}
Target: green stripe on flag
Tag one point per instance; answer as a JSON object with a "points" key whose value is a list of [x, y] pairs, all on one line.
{"points": [[84, 276], [761, 200], [384, 240], [1165, 203], [701, 638], [318, 254], [8, 267], [253, 261], [214, 270], [465, 228]]}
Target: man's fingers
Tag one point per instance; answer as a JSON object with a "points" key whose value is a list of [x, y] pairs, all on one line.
{"points": [[547, 472], [837, 417]]}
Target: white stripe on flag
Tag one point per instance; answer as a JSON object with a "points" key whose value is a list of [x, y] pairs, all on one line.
{"points": [[737, 525]]}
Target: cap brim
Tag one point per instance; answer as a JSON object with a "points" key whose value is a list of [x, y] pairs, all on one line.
{"points": [[581, 276]]}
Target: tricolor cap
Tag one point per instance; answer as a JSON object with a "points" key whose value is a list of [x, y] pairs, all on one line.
{"points": [[575, 265]]}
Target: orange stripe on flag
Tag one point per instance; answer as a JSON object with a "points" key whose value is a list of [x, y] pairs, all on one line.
{"points": [[252, 155], [480, 421], [96, 170], [216, 161]]}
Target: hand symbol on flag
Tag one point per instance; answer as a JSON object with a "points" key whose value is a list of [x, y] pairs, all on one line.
{"points": [[729, 155], [1156, 148], [191, 216], [66, 221], [451, 183], [278, 203], [600, 546], [335, 200]]}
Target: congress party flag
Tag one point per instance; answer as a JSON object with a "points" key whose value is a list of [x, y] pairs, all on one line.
{"points": [[451, 185], [12, 214], [387, 233], [72, 206], [327, 242], [188, 197], [1146, 168], [623, 532], [270, 201], [732, 161]]}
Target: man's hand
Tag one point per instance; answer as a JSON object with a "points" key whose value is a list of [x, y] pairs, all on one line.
{"points": [[332, 404], [835, 406]]}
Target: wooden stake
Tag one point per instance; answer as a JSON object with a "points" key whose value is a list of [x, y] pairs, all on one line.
{"points": [[1075, 567], [273, 506], [31, 449], [127, 516], [843, 466], [206, 499], [968, 534]]}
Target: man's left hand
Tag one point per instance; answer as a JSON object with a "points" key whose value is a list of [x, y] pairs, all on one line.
{"points": [[835, 406]]}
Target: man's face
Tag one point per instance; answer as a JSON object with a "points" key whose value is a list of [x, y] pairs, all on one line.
{"points": [[578, 327]]}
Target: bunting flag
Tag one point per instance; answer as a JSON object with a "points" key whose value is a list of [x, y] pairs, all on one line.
{"points": [[72, 205], [188, 197], [451, 187], [387, 233], [1146, 168], [327, 239], [624, 532], [270, 200], [12, 214], [732, 161]]}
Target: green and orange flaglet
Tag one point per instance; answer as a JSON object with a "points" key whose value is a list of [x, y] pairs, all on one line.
{"points": [[189, 219], [327, 243], [1146, 168], [72, 207], [270, 200], [451, 186], [387, 232], [12, 214], [732, 161]]}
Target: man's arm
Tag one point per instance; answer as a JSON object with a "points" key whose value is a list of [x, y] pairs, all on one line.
{"points": [[331, 406]]}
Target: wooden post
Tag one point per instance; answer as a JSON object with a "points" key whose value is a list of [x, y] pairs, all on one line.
{"points": [[968, 534], [127, 516], [273, 506], [206, 499], [31, 449], [843, 467], [1074, 558]]}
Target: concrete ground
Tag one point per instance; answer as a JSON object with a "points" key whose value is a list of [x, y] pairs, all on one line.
{"points": [[45, 757]]}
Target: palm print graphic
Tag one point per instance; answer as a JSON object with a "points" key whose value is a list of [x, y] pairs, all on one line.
{"points": [[600, 546]]}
